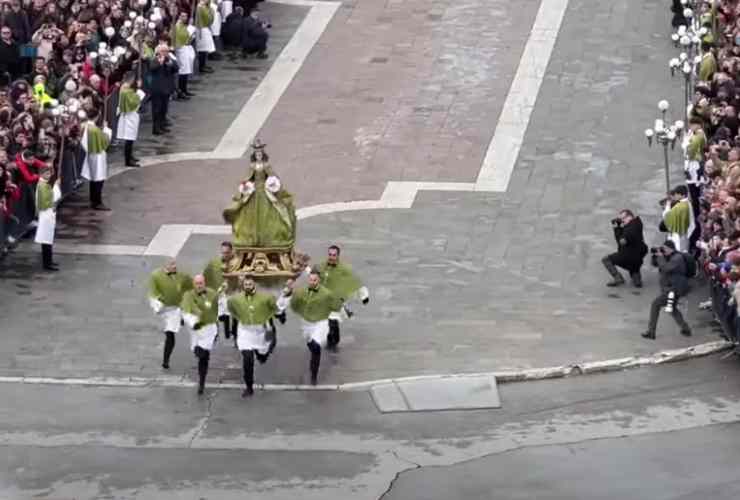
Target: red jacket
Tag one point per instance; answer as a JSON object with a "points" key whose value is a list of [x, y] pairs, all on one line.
{"points": [[24, 168]]}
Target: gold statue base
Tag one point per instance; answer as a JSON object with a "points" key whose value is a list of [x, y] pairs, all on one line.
{"points": [[265, 262]]}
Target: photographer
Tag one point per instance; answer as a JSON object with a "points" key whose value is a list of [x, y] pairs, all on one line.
{"points": [[631, 251], [674, 284], [255, 36]]}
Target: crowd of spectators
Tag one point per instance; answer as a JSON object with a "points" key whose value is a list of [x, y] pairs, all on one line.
{"points": [[712, 147], [53, 77]]}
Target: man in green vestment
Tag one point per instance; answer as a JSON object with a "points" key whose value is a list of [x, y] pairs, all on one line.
{"points": [[344, 283], [678, 218], [204, 39], [95, 142], [257, 335], [166, 289], [214, 274], [708, 65], [200, 312], [314, 304]]}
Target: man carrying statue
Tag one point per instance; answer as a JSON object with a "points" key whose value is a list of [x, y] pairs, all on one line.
{"points": [[214, 274]]}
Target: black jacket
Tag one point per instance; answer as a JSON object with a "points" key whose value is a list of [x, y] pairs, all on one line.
{"points": [[233, 30], [634, 249], [673, 273], [162, 76], [9, 59]]}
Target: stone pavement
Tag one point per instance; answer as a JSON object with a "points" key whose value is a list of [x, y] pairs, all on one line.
{"points": [[463, 282], [166, 444]]}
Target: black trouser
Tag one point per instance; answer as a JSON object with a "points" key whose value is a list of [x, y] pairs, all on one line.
{"points": [[169, 346], [630, 265], [230, 325], [182, 84], [96, 193], [659, 302], [203, 357], [202, 58], [248, 356], [315, 349], [332, 340], [47, 255], [128, 152], [159, 111], [254, 45]]}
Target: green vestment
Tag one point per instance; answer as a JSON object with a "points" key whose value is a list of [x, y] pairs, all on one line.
{"points": [[128, 101], [203, 17], [695, 150], [169, 289], [260, 219], [252, 309], [214, 273], [44, 196], [314, 304], [97, 141], [678, 219], [180, 36], [339, 279], [204, 305], [708, 67]]}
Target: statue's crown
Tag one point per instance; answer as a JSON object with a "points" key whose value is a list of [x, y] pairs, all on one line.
{"points": [[258, 144]]}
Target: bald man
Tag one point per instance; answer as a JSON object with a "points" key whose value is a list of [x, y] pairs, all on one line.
{"points": [[200, 312], [166, 289]]}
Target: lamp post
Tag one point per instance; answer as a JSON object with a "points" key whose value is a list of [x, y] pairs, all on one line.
{"points": [[666, 135]]}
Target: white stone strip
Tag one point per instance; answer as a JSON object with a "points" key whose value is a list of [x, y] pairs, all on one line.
{"points": [[668, 356], [89, 249], [169, 240], [504, 147], [209, 229], [253, 115]]}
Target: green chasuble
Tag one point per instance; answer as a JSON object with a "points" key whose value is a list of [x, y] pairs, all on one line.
{"points": [[97, 141], [678, 218], [708, 67], [252, 309], [128, 101], [202, 305], [44, 196], [339, 279], [180, 36], [214, 273], [169, 289], [314, 304], [203, 17], [695, 150]]}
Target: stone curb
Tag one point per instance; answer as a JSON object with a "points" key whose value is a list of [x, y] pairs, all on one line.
{"points": [[661, 357]]}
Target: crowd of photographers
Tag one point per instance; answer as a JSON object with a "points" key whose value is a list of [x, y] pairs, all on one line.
{"points": [[63, 63]]}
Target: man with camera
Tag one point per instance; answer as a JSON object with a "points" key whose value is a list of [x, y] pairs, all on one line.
{"points": [[631, 251], [674, 283]]}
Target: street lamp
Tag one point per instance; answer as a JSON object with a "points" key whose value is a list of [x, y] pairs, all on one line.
{"points": [[666, 135]]}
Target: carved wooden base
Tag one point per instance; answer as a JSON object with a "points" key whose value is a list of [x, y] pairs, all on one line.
{"points": [[266, 262]]}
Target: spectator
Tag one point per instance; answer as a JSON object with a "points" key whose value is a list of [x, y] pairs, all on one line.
{"points": [[254, 38], [9, 55], [162, 70]]}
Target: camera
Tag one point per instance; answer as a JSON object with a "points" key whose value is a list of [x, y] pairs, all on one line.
{"points": [[654, 250], [617, 222]]}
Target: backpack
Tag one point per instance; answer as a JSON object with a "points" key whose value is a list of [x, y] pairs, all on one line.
{"points": [[691, 267]]}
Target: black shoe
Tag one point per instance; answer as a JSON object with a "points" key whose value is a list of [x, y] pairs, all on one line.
{"points": [[190, 94], [201, 389], [248, 392], [135, 159], [636, 279], [617, 281], [157, 132], [51, 267], [165, 129], [648, 335], [206, 69], [102, 208], [133, 163], [332, 348], [166, 366], [686, 333], [182, 97], [262, 55], [313, 379]]}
